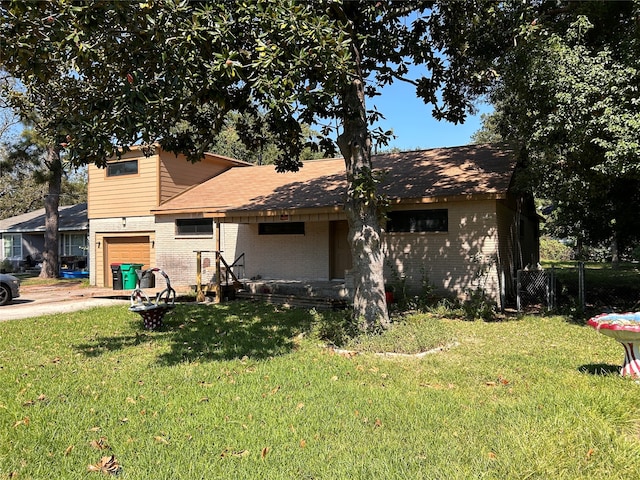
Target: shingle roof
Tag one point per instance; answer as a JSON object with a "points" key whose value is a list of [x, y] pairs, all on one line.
{"points": [[72, 218], [458, 171]]}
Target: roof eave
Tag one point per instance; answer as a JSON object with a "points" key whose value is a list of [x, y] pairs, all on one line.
{"points": [[228, 211]]}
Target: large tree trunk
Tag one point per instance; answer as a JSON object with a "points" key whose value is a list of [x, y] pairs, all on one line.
{"points": [[50, 262], [362, 207]]}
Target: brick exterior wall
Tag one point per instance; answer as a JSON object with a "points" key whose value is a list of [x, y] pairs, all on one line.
{"points": [[453, 262], [300, 257], [112, 227], [467, 257], [176, 254]]}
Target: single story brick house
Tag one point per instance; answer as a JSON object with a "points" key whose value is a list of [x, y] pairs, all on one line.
{"points": [[454, 220]]}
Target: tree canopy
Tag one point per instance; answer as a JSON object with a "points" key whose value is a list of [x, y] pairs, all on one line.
{"points": [[25, 175], [171, 72], [568, 97]]}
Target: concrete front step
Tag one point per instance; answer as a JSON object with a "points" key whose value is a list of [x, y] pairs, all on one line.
{"points": [[324, 303]]}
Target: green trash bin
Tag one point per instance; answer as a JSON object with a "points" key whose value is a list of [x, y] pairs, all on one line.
{"points": [[129, 277]]}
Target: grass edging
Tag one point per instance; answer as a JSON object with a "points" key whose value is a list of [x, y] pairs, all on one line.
{"points": [[352, 353]]}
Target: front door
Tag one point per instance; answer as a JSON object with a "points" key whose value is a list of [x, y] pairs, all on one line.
{"points": [[340, 251]]}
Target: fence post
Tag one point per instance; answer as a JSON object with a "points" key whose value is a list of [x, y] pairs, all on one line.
{"points": [[518, 288], [502, 291], [552, 288], [581, 290]]}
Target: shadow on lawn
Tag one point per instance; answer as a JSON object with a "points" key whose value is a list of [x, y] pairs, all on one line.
{"points": [[602, 369], [216, 332]]}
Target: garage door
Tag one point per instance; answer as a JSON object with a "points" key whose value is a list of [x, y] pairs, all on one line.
{"points": [[125, 250]]}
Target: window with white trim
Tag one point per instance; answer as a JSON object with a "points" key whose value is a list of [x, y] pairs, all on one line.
{"points": [[12, 245], [73, 245]]}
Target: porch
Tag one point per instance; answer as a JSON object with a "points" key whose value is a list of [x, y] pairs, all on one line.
{"points": [[332, 295]]}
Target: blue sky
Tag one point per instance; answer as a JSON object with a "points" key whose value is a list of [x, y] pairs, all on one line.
{"points": [[411, 121]]}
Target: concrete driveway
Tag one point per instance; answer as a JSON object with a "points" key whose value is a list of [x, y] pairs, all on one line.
{"points": [[35, 301]]}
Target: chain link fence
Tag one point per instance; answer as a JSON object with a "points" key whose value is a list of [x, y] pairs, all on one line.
{"points": [[535, 288], [580, 288]]}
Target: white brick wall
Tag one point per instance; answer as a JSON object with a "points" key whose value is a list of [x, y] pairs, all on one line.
{"points": [[450, 261], [462, 259], [302, 257], [176, 255]]}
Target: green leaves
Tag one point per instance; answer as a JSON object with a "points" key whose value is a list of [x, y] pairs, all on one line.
{"points": [[569, 98]]}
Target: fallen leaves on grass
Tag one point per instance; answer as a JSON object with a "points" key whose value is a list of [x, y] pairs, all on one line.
{"points": [[25, 421], [275, 390], [107, 465], [42, 398], [264, 452], [438, 386], [500, 381], [100, 444], [227, 452]]}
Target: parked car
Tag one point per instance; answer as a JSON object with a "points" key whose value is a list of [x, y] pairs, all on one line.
{"points": [[9, 288]]}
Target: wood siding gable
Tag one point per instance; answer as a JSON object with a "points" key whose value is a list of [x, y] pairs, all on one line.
{"points": [[160, 177]]}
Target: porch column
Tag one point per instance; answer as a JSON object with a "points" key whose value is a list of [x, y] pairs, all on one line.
{"points": [[218, 298]]}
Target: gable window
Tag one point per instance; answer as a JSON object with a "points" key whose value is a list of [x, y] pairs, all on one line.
{"points": [[414, 221], [286, 228], [194, 226], [12, 245], [117, 169], [74, 245]]}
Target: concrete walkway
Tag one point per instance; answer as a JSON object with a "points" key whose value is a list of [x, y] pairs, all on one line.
{"points": [[64, 297]]}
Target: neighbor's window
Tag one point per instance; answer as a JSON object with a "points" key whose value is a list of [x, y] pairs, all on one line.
{"points": [[194, 226], [74, 245], [12, 245], [117, 169], [414, 221], [288, 228]]}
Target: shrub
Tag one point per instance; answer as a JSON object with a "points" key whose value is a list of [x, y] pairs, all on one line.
{"points": [[446, 308], [479, 306], [552, 249], [337, 328], [6, 266]]}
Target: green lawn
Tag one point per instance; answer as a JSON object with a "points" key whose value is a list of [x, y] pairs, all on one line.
{"points": [[244, 391]]}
